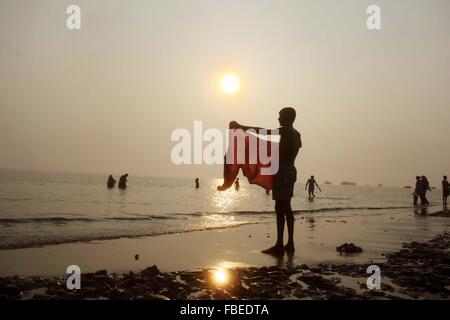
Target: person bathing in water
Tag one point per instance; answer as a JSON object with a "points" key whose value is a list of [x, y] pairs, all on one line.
{"points": [[445, 191], [418, 191], [123, 181], [197, 183], [284, 179], [426, 187], [237, 185], [111, 183], [310, 185]]}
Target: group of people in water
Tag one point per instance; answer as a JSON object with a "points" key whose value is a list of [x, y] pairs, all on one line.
{"points": [[423, 185], [111, 183]]}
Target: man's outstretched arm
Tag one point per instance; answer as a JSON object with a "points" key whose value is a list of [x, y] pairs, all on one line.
{"points": [[259, 130]]}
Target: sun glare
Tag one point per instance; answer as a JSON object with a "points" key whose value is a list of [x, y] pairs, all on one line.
{"points": [[230, 84]]}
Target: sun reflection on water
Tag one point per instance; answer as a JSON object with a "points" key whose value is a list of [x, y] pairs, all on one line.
{"points": [[225, 201], [220, 276], [223, 274], [224, 205]]}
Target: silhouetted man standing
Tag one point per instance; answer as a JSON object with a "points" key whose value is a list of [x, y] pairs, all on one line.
{"points": [[284, 179]]}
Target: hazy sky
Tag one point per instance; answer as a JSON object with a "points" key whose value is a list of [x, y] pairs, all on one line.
{"points": [[373, 106]]}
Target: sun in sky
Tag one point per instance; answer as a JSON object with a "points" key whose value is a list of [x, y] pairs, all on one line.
{"points": [[230, 84]]}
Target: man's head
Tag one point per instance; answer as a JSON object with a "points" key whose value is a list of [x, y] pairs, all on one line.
{"points": [[312, 177], [417, 178], [126, 174], [287, 117], [445, 177]]}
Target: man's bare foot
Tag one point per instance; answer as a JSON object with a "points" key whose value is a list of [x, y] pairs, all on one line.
{"points": [[289, 248], [276, 250]]}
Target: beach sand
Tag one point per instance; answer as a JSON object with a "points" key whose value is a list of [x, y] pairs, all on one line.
{"points": [[411, 250], [316, 239]]}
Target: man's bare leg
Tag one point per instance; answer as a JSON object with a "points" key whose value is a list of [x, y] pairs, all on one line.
{"points": [[278, 247], [290, 226]]}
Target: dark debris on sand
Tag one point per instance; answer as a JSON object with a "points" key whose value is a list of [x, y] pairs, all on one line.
{"points": [[349, 248], [444, 213], [418, 271]]}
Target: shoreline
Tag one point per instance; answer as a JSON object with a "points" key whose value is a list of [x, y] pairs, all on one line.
{"points": [[297, 213]]}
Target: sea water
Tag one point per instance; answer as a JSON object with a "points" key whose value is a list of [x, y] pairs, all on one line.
{"points": [[42, 208]]}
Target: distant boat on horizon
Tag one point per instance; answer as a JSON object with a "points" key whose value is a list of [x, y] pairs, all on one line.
{"points": [[407, 187], [327, 182], [380, 185], [347, 183]]}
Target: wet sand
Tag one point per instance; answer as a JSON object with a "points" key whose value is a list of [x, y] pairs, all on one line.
{"points": [[316, 239], [419, 271], [411, 249]]}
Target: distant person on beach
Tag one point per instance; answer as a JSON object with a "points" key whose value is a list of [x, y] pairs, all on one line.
{"points": [[445, 191], [111, 183], [284, 179], [418, 191], [237, 186], [310, 185], [426, 187], [123, 181], [197, 183]]}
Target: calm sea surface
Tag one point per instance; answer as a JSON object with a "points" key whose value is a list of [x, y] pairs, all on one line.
{"points": [[39, 208]]}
